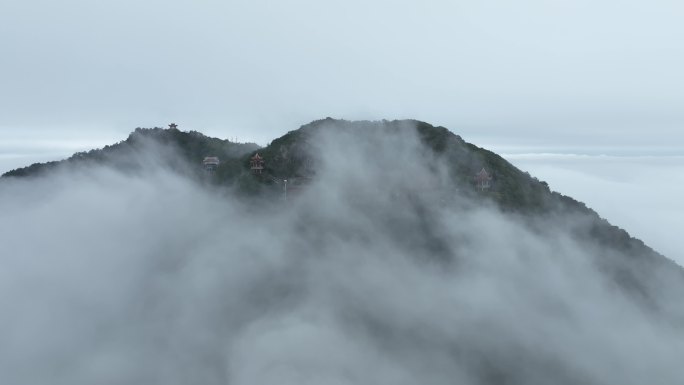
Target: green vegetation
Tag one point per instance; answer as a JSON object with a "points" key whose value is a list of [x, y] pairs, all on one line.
{"points": [[513, 190], [127, 154], [290, 156]]}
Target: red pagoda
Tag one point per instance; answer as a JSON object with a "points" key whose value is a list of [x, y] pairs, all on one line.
{"points": [[256, 163]]}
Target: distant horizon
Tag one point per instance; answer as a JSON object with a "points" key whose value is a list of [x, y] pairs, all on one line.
{"points": [[49, 145]]}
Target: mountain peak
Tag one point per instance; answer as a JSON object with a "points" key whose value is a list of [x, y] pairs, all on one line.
{"points": [[293, 156]]}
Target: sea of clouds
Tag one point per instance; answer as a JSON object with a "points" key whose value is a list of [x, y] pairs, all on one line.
{"points": [[365, 277], [640, 193]]}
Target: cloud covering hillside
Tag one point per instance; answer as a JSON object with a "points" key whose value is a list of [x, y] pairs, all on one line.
{"points": [[640, 193], [372, 274]]}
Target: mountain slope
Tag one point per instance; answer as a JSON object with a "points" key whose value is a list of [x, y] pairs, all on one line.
{"points": [[295, 156], [382, 262], [514, 190], [627, 259], [192, 147]]}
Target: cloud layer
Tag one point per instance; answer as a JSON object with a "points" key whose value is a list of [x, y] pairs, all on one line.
{"points": [[364, 277], [639, 193]]}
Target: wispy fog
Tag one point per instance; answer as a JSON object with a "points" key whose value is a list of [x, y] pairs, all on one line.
{"points": [[642, 194], [367, 276]]}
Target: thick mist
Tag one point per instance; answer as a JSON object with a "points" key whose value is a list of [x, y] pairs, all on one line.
{"points": [[378, 272]]}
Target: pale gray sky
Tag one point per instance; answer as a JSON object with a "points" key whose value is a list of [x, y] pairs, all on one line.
{"points": [[549, 71]]}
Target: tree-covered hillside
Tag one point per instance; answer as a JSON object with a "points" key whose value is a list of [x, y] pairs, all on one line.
{"points": [[177, 148], [294, 157]]}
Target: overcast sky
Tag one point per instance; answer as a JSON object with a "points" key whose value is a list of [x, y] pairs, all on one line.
{"points": [[557, 71], [532, 76]]}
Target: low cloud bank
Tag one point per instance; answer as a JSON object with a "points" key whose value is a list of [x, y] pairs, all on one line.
{"points": [[366, 277], [639, 193]]}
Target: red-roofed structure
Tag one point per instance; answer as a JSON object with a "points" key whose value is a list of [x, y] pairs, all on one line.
{"points": [[483, 181], [256, 163]]}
